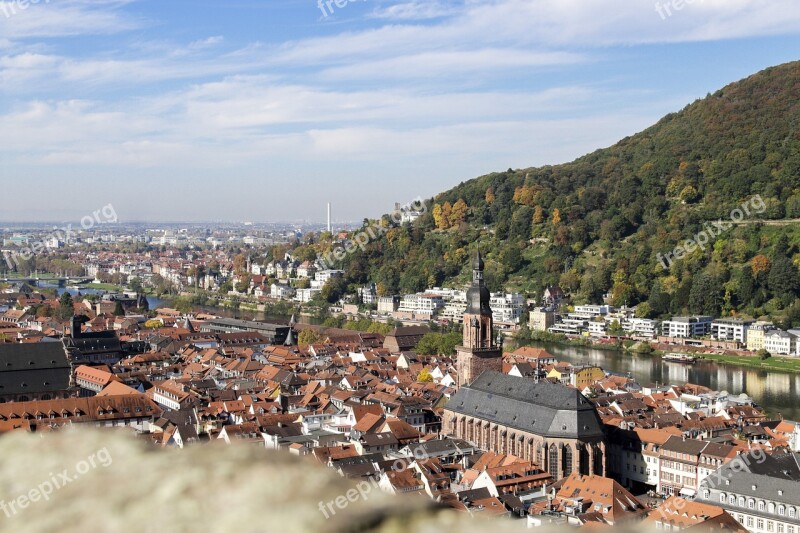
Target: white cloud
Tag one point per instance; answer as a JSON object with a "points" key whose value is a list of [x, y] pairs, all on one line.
{"points": [[414, 11], [59, 18]]}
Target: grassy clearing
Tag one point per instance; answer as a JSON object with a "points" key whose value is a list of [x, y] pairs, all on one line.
{"points": [[780, 364]]}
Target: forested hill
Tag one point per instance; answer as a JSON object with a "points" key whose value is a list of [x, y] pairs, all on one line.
{"points": [[596, 225]]}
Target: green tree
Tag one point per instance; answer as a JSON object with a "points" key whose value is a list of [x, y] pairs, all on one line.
{"points": [[66, 308]]}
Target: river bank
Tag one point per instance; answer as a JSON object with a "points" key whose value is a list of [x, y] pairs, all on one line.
{"points": [[776, 390], [774, 363]]}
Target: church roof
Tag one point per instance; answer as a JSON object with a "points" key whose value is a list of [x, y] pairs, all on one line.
{"points": [[542, 408]]}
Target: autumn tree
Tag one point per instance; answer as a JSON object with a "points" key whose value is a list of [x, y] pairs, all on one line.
{"points": [[458, 214], [760, 265], [308, 336], [538, 215], [438, 217], [490, 197], [556, 217], [447, 212], [526, 195], [239, 263], [424, 376]]}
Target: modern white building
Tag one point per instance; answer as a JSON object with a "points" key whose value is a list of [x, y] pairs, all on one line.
{"points": [[421, 304], [687, 326], [507, 308], [731, 329], [589, 312], [643, 327]]}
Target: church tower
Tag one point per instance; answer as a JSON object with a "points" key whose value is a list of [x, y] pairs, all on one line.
{"points": [[479, 352]]}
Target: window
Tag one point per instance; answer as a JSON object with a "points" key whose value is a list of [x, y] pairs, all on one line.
{"points": [[732, 500], [706, 494], [749, 521], [760, 506], [751, 504], [760, 524], [781, 510], [770, 525], [722, 498], [792, 512]]}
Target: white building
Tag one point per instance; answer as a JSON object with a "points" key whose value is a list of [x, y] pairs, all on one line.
{"points": [[305, 295], [507, 308], [778, 342], [598, 327], [589, 312], [731, 329], [643, 327], [281, 292], [323, 276], [687, 326], [421, 304]]}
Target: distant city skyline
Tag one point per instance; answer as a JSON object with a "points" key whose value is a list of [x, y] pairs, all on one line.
{"points": [[266, 111]]}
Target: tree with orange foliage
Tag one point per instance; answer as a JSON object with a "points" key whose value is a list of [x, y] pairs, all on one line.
{"points": [[458, 215], [760, 264], [490, 197]]}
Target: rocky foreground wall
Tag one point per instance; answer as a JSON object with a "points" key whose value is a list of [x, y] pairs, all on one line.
{"points": [[86, 480]]}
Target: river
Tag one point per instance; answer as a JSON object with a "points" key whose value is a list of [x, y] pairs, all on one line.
{"points": [[151, 300], [777, 392]]}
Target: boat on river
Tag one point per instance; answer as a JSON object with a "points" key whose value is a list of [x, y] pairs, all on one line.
{"points": [[680, 358]]}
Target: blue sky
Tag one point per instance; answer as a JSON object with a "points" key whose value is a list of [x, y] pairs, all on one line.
{"points": [[264, 110]]}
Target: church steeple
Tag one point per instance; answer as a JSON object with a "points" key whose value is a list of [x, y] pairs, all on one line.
{"points": [[478, 295], [478, 351]]}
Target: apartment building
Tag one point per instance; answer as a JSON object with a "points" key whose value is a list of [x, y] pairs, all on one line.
{"points": [[507, 308], [421, 306], [687, 326], [731, 329], [642, 327]]}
